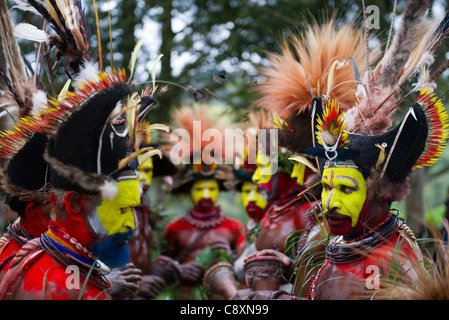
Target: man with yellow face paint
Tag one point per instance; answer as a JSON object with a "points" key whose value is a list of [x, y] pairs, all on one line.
{"points": [[141, 243], [204, 225], [204, 229], [286, 212], [343, 197], [254, 202], [358, 187], [92, 199]]}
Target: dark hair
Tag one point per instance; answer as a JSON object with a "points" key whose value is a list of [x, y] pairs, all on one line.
{"points": [[16, 205]]}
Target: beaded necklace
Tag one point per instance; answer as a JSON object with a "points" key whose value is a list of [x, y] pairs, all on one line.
{"points": [[377, 228], [206, 223], [69, 251]]}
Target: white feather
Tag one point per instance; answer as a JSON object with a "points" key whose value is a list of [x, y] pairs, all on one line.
{"points": [[30, 32], [109, 190], [39, 102], [89, 71], [24, 6], [350, 116]]}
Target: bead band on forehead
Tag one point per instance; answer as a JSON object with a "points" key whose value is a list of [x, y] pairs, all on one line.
{"points": [[340, 164]]}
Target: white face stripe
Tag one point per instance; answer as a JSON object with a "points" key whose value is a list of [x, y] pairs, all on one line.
{"points": [[252, 193], [96, 224], [206, 191]]}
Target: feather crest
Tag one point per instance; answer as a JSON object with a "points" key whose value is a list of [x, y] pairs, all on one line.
{"points": [[308, 59], [437, 119]]}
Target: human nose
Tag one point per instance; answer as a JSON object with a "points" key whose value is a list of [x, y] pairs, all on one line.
{"points": [[333, 200], [257, 175], [130, 220], [252, 193]]}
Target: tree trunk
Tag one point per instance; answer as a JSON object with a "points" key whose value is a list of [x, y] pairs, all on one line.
{"points": [[415, 204], [166, 101]]}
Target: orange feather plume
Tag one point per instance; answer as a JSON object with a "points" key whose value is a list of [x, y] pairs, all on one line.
{"points": [[309, 59], [199, 129]]}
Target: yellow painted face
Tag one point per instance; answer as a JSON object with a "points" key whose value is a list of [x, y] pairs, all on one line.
{"points": [[204, 189], [298, 172], [344, 189], [263, 172], [250, 193], [116, 215], [146, 171]]}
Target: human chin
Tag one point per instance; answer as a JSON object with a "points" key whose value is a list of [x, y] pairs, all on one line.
{"points": [[113, 251], [339, 224], [205, 204], [254, 211]]}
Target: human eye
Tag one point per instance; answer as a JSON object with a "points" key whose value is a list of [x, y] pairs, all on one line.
{"points": [[348, 189], [326, 186]]}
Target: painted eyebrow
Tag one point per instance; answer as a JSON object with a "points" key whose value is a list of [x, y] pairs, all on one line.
{"points": [[356, 184]]}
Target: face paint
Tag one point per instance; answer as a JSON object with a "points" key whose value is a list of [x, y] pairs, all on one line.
{"points": [[146, 172], [37, 218], [250, 194], [298, 173], [344, 193], [114, 251], [117, 215], [263, 173], [204, 190]]}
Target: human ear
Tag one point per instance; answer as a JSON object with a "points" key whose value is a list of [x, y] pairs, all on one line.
{"points": [[31, 209], [73, 204]]}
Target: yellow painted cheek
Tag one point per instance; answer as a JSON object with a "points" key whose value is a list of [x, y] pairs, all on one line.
{"points": [[202, 190], [246, 192], [261, 202], [263, 172], [146, 171], [116, 215], [324, 198], [298, 173], [213, 194], [353, 206], [148, 176], [196, 195]]}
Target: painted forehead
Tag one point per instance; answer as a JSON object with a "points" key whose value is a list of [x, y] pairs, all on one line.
{"points": [[342, 176], [205, 183]]}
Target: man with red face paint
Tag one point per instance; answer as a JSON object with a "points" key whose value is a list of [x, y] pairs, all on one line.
{"points": [[93, 195], [24, 180]]}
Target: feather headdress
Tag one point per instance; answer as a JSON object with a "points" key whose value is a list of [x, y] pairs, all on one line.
{"points": [[200, 144], [24, 172], [323, 62], [411, 54], [21, 91], [66, 18], [198, 125], [313, 64]]}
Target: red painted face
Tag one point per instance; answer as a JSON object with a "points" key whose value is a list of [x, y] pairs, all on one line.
{"points": [[254, 211], [37, 218], [74, 218]]}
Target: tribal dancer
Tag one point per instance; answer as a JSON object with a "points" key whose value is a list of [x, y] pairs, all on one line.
{"points": [[288, 93], [365, 165], [204, 227]]}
